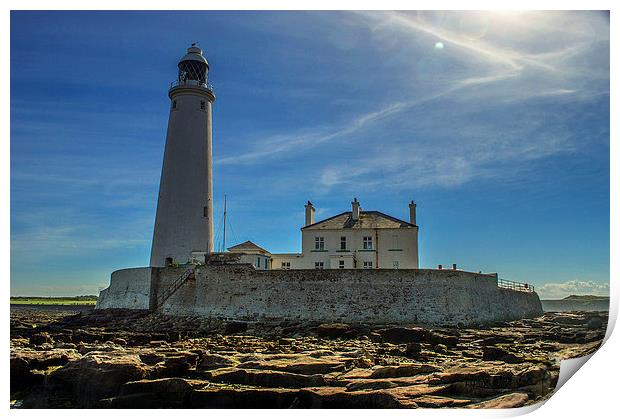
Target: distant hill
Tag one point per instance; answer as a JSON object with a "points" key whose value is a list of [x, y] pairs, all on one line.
{"points": [[585, 298], [577, 303]]}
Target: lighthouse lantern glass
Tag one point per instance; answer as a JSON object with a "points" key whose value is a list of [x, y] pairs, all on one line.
{"points": [[192, 70]]}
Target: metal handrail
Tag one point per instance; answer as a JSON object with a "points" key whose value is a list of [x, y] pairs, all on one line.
{"points": [[513, 285], [172, 288], [192, 83]]}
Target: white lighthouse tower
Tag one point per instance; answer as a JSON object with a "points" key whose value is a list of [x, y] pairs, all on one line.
{"points": [[184, 221]]}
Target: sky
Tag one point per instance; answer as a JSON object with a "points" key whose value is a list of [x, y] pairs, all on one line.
{"points": [[495, 123]]}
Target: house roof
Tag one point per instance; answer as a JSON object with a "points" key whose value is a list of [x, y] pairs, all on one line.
{"points": [[367, 219], [248, 246]]}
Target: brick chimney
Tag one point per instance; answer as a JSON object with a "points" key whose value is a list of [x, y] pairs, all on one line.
{"points": [[412, 213], [355, 210], [309, 213]]}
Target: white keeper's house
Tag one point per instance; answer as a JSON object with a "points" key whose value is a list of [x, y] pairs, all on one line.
{"points": [[353, 239]]}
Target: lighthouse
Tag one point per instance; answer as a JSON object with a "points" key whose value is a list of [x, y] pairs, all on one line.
{"points": [[184, 220]]}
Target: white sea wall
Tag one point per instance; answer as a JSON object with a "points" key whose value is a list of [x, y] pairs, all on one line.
{"points": [[424, 296], [129, 288]]}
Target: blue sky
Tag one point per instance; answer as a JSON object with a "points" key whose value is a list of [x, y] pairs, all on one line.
{"points": [[495, 123]]}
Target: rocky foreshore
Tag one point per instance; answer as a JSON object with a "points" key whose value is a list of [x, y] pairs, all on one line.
{"points": [[138, 359]]}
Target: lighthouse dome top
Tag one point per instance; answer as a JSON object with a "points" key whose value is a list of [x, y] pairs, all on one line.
{"points": [[193, 74], [194, 53]]}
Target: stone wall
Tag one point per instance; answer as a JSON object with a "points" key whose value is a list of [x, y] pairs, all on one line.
{"points": [[422, 296], [129, 288]]}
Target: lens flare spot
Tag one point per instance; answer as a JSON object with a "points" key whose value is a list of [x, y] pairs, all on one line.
{"points": [[438, 45]]}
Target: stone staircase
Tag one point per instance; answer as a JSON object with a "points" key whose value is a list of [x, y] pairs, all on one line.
{"points": [[174, 286]]}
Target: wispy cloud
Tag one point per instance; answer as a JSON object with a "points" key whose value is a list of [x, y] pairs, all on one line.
{"points": [[75, 236], [493, 74], [279, 144], [283, 143], [481, 49]]}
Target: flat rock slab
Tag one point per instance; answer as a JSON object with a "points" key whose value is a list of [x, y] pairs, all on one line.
{"points": [[507, 401], [262, 378], [124, 359], [391, 371], [240, 398], [298, 364], [438, 402]]}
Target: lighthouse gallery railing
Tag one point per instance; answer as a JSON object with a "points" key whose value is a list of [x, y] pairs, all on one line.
{"points": [[184, 83]]}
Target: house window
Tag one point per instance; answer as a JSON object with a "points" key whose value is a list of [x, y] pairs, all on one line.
{"points": [[202, 105], [368, 265], [168, 261], [286, 265], [258, 262], [395, 264], [318, 265], [174, 104], [341, 264], [395, 242], [319, 243], [343, 243], [205, 212], [368, 243]]}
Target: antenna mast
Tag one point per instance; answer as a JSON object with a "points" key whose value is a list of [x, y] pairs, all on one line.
{"points": [[224, 236]]}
